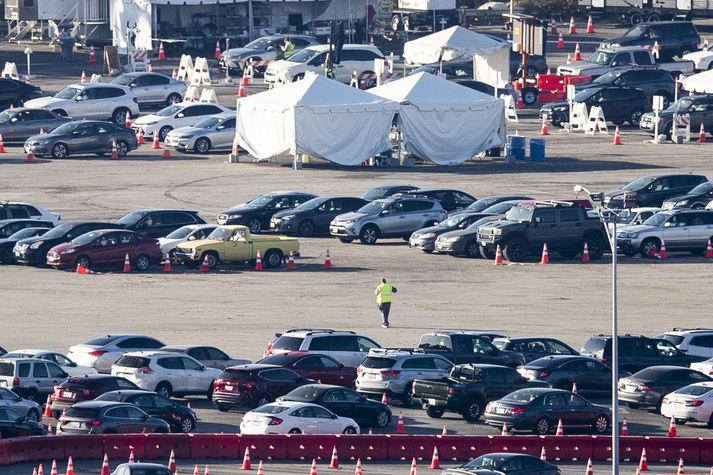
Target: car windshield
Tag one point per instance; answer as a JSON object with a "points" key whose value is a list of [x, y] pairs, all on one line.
{"points": [[607, 78], [682, 105], [111, 396], [600, 57], [220, 234], [520, 397], [487, 461], [583, 96], [427, 68], [5, 116], [488, 219], [82, 412], [180, 233], [169, 111], [702, 188], [131, 218], [481, 204], [303, 56], [635, 32], [694, 390], [64, 129], [67, 93], [86, 238], [28, 232], [291, 343], [500, 208], [519, 213], [270, 409], [310, 204], [657, 219], [374, 207], [451, 222], [208, 122], [58, 232], [378, 363], [307, 393], [101, 340], [15, 354], [259, 44], [674, 339], [639, 183], [260, 201], [124, 79]]}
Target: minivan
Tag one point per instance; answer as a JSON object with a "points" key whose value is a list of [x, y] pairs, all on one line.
{"points": [[675, 38]]}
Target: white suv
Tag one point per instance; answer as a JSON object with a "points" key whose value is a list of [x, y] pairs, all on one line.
{"points": [[91, 101], [692, 341], [18, 210], [354, 58], [347, 347], [166, 373]]}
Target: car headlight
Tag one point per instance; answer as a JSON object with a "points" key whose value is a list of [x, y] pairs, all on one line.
{"points": [[560, 109], [149, 123], [614, 45], [193, 251], [497, 231], [288, 218], [350, 221], [681, 203], [68, 251], [632, 235], [235, 216], [426, 235], [188, 136], [37, 245]]}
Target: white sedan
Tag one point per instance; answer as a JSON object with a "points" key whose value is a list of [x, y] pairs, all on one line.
{"points": [[190, 232], [67, 365], [182, 114], [702, 60], [287, 417], [216, 132], [705, 367], [690, 403]]}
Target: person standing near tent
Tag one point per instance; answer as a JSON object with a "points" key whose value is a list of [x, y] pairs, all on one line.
{"points": [[288, 49], [383, 293]]}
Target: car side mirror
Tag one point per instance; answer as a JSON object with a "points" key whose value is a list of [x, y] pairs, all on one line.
{"points": [[271, 48], [538, 219], [133, 84], [80, 98], [191, 238], [180, 115], [203, 368], [72, 364], [220, 127], [66, 375], [21, 419], [147, 417], [334, 416]]}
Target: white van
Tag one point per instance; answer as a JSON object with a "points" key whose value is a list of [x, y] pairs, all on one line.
{"points": [[359, 58]]}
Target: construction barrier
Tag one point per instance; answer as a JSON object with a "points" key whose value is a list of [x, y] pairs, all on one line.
{"points": [[451, 448]]}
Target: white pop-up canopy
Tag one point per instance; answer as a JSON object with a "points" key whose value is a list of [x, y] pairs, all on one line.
{"points": [[443, 121], [701, 82], [316, 116], [491, 57]]}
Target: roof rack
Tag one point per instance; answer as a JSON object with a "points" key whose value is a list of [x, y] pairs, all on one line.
{"points": [[680, 329], [311, 331], [552, 203], [389, 351]]}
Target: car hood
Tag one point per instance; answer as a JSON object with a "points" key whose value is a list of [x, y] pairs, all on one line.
{"points": [[238, 52], [44, 102], [31, 240], [282, 64], [59, 248], [288, 212], [638, 228], [503, 223], [676, 199], [145, 119], [697, 55], [433, 229], [351, 215], [456, 233], [196, 244], [618, 194], [582, 65], [554, 105], [190, 130], [240, 209]]}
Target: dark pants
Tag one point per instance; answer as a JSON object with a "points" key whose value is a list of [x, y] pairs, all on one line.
{"points": [[385, 307]]}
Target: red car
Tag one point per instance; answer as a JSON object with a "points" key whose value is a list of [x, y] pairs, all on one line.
{"points": [[321, 368], [106, 248]]}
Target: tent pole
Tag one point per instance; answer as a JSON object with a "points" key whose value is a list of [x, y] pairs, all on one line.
{"points": [[251, 20]]}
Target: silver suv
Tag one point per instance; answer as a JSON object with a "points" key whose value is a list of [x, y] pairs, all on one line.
{"points": [[30, 378], [681, 230], [347, 347], [392, 371], [691, 341], [395, 217]]}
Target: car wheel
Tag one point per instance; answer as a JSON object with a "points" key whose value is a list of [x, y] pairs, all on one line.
{"points": [[122, 148], [212, 258], [60, 150], [601, 424], [272, 259], [407, 397], [382, 418], [515, 250], [653, 17], [209, 393], [222, 407], [346, 240], [529, 97], [163, 132], [473, 411], [294, 430], [349, 430], [369, 235], [33, 415], [306, 228], [471, 250], [164, 389], [595, 246], [649, 246], [202, 145], [636, 117], [254, 225], [542, 426], [173, 99], [83, 261], [486, 253], [142, 262], [636, 18], [119, 116], [187, 425], [435, 412], [263, 399]]}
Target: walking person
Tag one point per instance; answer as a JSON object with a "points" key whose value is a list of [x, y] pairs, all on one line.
{"points": [[383, 293]]}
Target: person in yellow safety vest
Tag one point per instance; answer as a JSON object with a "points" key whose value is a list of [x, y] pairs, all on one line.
{"points": [[288, 49], [383, 293]]}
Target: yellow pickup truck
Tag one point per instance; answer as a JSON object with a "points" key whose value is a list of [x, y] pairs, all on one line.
{"points": [[236, 244]]}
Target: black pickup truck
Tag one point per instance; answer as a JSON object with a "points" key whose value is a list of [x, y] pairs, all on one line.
{"points": [[469, 388], [563, 225], [469, 347]]}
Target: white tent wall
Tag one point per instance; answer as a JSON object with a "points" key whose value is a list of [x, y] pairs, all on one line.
{"points": [[493, 69], [344, 10], [133, 12], [701, 83], [275, 122]]}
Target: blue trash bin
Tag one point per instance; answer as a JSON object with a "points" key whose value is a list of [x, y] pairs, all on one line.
{"points": [[537, 149], [516, 147]]}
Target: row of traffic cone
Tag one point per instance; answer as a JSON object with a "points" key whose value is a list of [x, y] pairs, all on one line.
{"points": [[573, 29], [544, 259]]}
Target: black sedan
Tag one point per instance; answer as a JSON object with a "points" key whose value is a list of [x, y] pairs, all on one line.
{"points": [[697, 198], [648, 387], [256, 213], [562, 371], [16, 93], [343, 402], [82, 137], [619, 105], [450, 199], [425, 238], [107, 417], [384, 191], [159, 222], [512, 464], [313, 217], [535, 348], [540, 409], [16, 125], [13, 424], [178, 416]]}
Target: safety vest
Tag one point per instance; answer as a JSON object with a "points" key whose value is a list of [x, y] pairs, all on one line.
{"points": [[384, 293]]}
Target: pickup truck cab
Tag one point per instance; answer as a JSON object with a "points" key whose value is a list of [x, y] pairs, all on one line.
{"points": [[469, 347], [604, 60], [236, 244]]}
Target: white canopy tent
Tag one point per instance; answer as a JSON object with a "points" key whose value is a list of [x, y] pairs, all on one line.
{"points": [[444, 121], [491, 57], [701, 82], [316, 116]]}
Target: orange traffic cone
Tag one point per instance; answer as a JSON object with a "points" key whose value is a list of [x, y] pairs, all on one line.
{"points": [[127, 121], [643, 463], [624, 428], [131, 456], [545, 255], [435, 461], [590, 25], [83, 77], [400, 428], [105, 466], [414, 467], [504, 430], [543, 454], [543, 129], [216, 53], [617, 136], [358, 470], [70, 466], [384, 400], [680, 470], [234, 152], [82, 270], [498, 257], [258, 261], [140, 137], [114, 151], [161, 52], [574, 384], [291, 261], [560, 41], [577, 52], [327, 261], [149, 66], [207, 470], [155, 145], [672, 428], [334, 462], [572, 28], [519, 104], [260, 468], [589, 470], [445, 430], [246, 460], [50, 430], [313, 468], [172, 462], [662, 253], [553, 27], [709, 251], [243, 84], [560, 429], [585, 259], [48, 411], [2, 145], [53, 470], [204, 267], [92, 56], [569, 58], [702, 134], [127, 264], [174, 74], [30, 157], [40, 470], [166, 152], [196, 471], [167, 263]]}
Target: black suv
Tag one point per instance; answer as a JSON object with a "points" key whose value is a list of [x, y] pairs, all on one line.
{"points": [[450, 200], [34, 250], [697, 198], [652, 190], [178, 416], [637, 352], [313, 216], [654, 82], [619, 105], [698, 107], [256, 213], [675, 38], [159, 222], [15, 93]]}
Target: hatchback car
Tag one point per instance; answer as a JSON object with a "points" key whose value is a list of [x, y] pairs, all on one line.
{"points": [[82, 138], [94, 101], [16, 125], [189, 232], [103, 351], [563, 371], [174, 116], [648, 387], [8, 243], [698, 107], [13, 424], [152, 88], [344, 402], [652, 190], [84, 388], [209, 356], [697, 198], [136, 468], [691, 341], [256, 213], [106, 248], [533, 348], [287, 417], [67, 365], [347, 347], [321, 368], [313, 217], [216, 132], [15, 93], [262, 51], [692, 403], [619, 105], [159, 222], [181, 418], [539, 410], [33, 379], [510, 464], [30, 410], [108, 417]]}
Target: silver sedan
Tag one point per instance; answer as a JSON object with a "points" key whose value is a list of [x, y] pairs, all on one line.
{"points": [[30, 409], [214, 132], [153, 88], [16, 125]]}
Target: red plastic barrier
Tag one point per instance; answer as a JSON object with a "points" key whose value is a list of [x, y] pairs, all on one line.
{"points": [[659, 449], [630, 449], [5, 447], [39, 448], [461, 448], [266, 447], [20, 449], [568, 448], [527, 444], [601, 447], [366, 447], [119, 446], [83, 446], [405, 447], [706, 447], [308, 447], [215, 446], [159, 446]]}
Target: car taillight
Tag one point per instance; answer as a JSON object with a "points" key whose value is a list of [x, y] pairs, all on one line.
{"points": [[644, 388], [694, 403], [247, 387], [604, 360], [217, 383], [360, 369], [97, 352], [96, 422], [57, 390], [274, 421], [144, 370], [517, 410], [544, 374], [390, 372], [451, 391], [16, 381], [682, 350]]}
